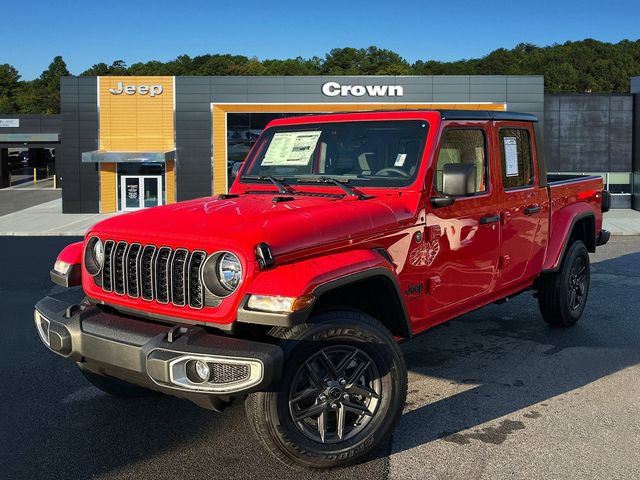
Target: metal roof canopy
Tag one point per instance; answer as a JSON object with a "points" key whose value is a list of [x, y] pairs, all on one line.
{"points": [[29, 137], [102, 156]]}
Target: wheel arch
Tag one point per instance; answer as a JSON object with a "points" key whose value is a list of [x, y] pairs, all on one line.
{"points": [[375, 292], [361, 279], [582, 226]]}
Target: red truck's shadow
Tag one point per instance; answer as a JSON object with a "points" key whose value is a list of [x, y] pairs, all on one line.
{"points": [[504, 361]]}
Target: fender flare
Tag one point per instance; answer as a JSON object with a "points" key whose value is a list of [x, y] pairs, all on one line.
{"points": [[558, 242], [71, 254], [372, 265], [400, 306]]}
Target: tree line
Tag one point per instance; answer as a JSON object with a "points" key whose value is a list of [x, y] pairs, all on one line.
{"points": [[583, 66]]}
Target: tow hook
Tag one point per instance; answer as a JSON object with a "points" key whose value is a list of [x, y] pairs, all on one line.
{"points": [[175, 333]]}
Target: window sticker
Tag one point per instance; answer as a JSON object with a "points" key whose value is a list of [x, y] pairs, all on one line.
{"points": [[400, 160], [291, 148], [511, 156]]}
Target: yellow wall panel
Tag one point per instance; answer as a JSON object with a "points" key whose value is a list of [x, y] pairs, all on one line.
{"points": [[170, 182], [135, 123], [108, 188]]}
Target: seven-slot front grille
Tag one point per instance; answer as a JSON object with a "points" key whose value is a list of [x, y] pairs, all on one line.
{"points": [[162, 274]]}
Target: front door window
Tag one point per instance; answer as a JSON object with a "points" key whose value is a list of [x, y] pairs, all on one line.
{"points": [[140, 192]]}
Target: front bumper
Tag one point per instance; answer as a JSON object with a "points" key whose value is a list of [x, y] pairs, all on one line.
{"points": [[154, 355]]}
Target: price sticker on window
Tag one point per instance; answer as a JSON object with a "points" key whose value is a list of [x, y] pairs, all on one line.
{"points": [[511, 156], [291, 148]]}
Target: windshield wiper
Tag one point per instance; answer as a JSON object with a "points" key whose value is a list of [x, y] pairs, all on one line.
{"points": [[278, 182], [342, 184]]}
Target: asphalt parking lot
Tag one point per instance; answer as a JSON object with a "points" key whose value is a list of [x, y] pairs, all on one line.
{"points": [[494, 394], [15, 200]]}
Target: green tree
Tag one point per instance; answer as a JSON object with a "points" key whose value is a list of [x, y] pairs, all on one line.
{"points": [[364, 61], [45, 90], [118, 67], [583, 66], [9, 86], [293, 66], [97, 70]]}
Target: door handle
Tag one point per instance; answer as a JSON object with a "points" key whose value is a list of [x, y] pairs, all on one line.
{"points": [[490, 219], [531, 209]]}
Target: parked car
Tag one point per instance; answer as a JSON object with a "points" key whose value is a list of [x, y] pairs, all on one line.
{"points": [[341, 236], [18, 160]]}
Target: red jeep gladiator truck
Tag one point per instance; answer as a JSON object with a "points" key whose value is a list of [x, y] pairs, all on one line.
{"points": [[341, 236]]}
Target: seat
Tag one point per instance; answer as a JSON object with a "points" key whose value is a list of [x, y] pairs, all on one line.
{"points": [[364, 162]]}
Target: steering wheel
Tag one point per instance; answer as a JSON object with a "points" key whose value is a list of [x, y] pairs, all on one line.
{"points": [[399, 171]]}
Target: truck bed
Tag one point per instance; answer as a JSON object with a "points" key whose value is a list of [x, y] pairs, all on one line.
{"points": [[570, 197], [558, 179]]}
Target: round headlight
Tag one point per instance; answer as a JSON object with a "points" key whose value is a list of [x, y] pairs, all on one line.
{"points": [[98, 252], [94, 256], [222, 273], [229, 271]]}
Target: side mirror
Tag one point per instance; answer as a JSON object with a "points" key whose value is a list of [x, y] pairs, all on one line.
{"points": [[439, 202], [458, 179]]}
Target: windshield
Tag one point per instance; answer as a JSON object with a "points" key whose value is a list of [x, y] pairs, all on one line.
{"points": [[370, 153]]}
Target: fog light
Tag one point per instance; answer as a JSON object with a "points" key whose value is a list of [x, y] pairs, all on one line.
{"points": [[197, 371], [210, 373], [202, 369]]}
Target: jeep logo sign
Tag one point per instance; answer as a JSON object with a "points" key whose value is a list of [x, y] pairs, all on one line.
{"points": [[334, 89], [152, 90]]}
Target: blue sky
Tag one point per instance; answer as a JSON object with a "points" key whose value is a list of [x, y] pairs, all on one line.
{"points": [[87, 32]]}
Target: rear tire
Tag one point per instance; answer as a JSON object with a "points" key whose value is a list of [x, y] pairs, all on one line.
{"points": [[116, 387], [340, 396], [562, 295]]}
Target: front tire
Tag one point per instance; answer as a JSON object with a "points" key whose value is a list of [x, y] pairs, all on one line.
{"points": [[562, 295], [341, 394]]}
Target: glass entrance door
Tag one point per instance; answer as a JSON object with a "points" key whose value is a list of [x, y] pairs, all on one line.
{"points": [[140, 191]]}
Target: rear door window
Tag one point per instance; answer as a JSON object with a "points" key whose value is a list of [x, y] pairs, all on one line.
{"points": [[517, 161]]}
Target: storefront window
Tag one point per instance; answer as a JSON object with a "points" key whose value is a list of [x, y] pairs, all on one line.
{"points": [[243, 129], [619, 182]]}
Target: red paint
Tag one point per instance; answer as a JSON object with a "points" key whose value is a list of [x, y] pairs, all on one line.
{"points": [[460, 263], [72, 254]]}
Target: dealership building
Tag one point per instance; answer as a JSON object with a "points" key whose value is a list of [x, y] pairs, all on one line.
{"points": [[124, 143]]}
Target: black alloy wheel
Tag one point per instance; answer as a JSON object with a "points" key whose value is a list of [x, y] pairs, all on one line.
{"points": [[577, 280], [335, 394]]}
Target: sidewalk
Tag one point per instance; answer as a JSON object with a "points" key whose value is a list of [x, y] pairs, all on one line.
{"points": [[48, 219], [622, 222]]}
